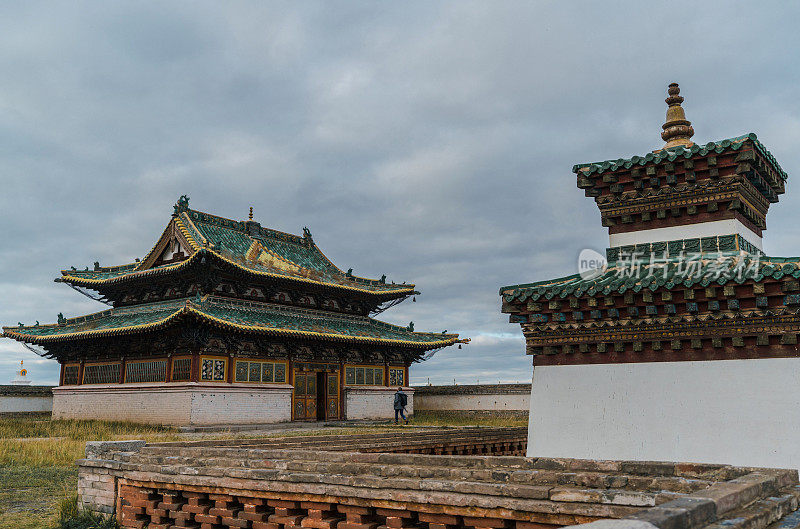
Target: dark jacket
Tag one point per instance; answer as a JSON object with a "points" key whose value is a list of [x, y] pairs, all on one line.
{"points": [[400, 400]]}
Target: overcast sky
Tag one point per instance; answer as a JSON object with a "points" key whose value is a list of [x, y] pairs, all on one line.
{"points": [[432, 142]]}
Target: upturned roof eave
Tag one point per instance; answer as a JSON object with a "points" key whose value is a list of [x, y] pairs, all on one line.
{"points": [[69, 277], [194, 309]]}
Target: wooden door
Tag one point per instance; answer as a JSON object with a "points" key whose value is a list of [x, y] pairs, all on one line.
{"points": [[305, 396], [332, 393], [316, 395]]}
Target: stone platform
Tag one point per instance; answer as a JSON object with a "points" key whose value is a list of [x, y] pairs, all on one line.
{"points": [[373, 481]]}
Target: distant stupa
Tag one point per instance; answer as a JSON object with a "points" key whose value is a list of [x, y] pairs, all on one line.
{"points": [[22, 376]]}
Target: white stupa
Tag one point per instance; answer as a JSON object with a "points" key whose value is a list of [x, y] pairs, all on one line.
{"points": [[22, 376]]}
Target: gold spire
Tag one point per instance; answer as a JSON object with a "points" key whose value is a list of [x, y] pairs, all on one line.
{"points": [[677, 130], [251, 212]]}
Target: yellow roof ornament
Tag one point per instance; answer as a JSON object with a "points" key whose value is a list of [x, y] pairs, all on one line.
{"points": [[677, 130]]}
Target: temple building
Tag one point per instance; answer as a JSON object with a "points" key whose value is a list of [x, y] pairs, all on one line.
{"points": [[683, 347], [226, 321]]}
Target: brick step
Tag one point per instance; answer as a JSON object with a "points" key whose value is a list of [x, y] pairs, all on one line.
{"points": [[596, 480], [343, 476], [762, 513], [363, 440], [688, 471]]}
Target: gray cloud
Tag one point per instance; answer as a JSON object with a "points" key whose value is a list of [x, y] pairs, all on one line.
{"points": [[431, 141]]}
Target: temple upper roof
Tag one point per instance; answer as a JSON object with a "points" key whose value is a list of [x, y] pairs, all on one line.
{"points": [[680, 153], [232, 315], [720, 188], [245, 246]]}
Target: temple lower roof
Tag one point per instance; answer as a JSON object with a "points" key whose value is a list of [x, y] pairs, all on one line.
{"points": [[233, 315]]}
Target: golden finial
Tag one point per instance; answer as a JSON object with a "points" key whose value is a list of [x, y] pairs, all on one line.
{"points": [[677, 130], [251, 212]]}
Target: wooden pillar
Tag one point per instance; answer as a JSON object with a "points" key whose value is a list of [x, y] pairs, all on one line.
{"points": [[195, 372], [168, 374], [290, 380], [341, 389], [80, 373], [61, 376], [229, 374], [122, 370], [386, 372], [406, 380]]}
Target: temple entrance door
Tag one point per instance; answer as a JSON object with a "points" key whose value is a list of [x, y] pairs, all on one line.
{"points": [[316, 393], [305, 396]]}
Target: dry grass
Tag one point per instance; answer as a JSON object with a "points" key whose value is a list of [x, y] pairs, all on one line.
{"points": [[30, 495], [37, 462], [37, 455], [39, 441]]}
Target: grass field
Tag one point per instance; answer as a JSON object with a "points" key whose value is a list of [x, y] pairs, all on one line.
{"points": [[37, 456]]}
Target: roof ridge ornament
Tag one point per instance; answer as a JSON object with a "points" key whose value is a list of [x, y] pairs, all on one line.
{"points": [[181, 205], [677, 129]]}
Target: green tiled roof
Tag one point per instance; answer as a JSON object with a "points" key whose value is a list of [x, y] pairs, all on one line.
{"points": [[669, 155], [249, 246], [231, 314], [702, 269], [105, 273]]}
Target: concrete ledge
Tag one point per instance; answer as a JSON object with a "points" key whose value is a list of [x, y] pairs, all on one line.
{"points": [[95, 449], [25, 391]]}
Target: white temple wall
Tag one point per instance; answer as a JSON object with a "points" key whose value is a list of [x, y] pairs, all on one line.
{"points": [[25, 404], [175, 404], [373, 402], [476, 402], [739, 412], [687, 231]]}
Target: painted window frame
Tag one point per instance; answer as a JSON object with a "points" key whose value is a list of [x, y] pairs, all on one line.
{"points": [[172, 368], [261, 362], [214, 358], [402, 371], [144, 361], [77, 366], [376, 369], [93, 364]]}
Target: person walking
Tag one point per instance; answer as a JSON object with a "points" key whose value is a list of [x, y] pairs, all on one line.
{"points": [[400, 402]]}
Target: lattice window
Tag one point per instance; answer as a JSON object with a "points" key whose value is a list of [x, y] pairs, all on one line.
{"points": [[150, 371], [260, 371], [213, 369], [280, 373], [363, 376], [71, 375], [181, 369], [101, 374], [397, 376], [267, 372], [255, 372]]}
